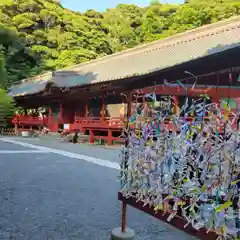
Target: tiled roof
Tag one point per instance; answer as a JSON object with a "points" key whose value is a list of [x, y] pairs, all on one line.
{"points": [[151, 57], [27, 88]]}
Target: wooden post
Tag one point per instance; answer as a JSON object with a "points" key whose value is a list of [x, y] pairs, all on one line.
{"points": [[86, 110], [16, 129], [103, 110]]}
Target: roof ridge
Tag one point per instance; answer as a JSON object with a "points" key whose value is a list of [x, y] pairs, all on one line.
{"points": [[188, 35]]}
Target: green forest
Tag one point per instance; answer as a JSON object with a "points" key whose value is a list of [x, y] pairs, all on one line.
{"points": [[41, 35]]}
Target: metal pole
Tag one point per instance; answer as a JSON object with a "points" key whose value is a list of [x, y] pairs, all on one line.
{"points": [[124, 215], [125, 163]]}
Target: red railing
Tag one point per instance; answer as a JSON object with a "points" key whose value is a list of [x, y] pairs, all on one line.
{"points": [[88, 122], [29, 120]]}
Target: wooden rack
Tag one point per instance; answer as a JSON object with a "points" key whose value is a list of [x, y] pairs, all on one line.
{"points": [[178, 222]]}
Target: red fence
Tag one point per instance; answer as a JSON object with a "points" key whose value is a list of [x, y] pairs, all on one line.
{"points": [[30, 120], [98, 123], [96, 126]]}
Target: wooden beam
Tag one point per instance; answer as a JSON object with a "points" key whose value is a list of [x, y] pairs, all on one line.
{"points": [[212, 91]]}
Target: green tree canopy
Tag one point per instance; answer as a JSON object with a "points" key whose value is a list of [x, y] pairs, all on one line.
{"points": [[7, 108], [17, 60], [42, 35]]}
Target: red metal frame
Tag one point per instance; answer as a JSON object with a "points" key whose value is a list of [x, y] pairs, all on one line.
{"points": [[177, 221]]}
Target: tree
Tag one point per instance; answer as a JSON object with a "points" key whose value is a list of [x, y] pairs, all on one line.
{"points": [[7, 108], [3, 73], [17, 60], [40, 35], [154, 2]]}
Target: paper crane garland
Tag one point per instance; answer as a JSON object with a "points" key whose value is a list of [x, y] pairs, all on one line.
{"points": [[196, 163]]}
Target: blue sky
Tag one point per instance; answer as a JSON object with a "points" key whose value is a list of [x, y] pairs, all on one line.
{"points": [[101, 5]]}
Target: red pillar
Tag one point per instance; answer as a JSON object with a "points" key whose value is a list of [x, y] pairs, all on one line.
{"points": [[91, 135], [109, 137], [53, 126]]}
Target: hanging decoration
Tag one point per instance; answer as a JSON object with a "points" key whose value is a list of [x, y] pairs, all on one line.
{"points": [[185, 166]]}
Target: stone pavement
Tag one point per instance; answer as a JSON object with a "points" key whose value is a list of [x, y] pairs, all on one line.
{"points": [[108, 153]]}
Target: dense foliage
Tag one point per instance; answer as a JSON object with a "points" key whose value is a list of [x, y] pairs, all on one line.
{"points": [[7, 108], [41, 35]]}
